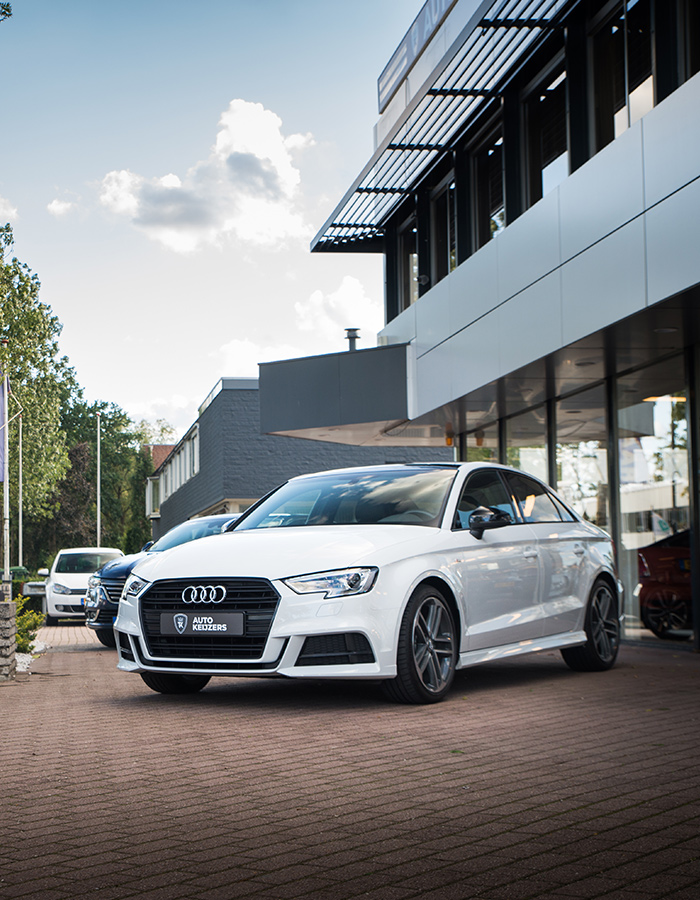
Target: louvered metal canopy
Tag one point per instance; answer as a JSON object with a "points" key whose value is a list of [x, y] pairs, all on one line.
{"points": [[467, 77]]}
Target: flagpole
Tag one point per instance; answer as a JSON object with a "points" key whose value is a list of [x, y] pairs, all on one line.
{"points": [[6, 579], [99, 485], [20, 517]]}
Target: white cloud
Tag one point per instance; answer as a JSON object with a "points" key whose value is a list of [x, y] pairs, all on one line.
{"points": [[7, 210], [348, 307], [60, 208], [246, 190]]}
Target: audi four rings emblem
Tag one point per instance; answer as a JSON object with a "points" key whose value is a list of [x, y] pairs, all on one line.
{"points": [[204, 593]]}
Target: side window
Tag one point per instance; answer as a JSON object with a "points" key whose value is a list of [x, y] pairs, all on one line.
{"points": [[564, 512], [482, 488], [536, 505]]}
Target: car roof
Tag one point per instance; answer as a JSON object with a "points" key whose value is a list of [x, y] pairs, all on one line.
{"points": [[89, 550]]}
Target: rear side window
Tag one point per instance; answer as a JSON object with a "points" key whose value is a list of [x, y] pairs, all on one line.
{"points": [[536, 504], [483, 488]]}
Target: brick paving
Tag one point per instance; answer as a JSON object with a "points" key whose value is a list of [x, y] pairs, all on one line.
{"points": [[530, 781]]}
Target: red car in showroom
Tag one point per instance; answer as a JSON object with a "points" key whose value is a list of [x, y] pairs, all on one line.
{"points": [[664, 594]]}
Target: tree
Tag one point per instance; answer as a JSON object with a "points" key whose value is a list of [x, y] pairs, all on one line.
{"points": [[39, 379], [5, 11]]}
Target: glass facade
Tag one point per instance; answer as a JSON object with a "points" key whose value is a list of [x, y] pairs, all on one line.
{"points": [[526, 445], [582, 455], [648, 507], [654, 552]]}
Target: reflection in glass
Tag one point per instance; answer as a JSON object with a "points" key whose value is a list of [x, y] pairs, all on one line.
{"points": [[582, 455], [654, 556], [527, 442], [482, 445]]}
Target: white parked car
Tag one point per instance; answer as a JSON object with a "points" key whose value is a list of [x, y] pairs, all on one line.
{"points": [[403, 573], [67, 583]]}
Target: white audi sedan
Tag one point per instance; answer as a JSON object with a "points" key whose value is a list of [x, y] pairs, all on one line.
{"points": [[401, 573]]}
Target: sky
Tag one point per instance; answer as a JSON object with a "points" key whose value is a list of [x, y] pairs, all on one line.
{"points": [[165, 166]]}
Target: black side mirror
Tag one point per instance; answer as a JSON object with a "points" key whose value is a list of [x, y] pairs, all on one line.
{"points": [[483, 519], [147, 546]]}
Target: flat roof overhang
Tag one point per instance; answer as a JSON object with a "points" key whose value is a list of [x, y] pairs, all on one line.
{"points": [[365, 397], [360, 397], [468, 77]]}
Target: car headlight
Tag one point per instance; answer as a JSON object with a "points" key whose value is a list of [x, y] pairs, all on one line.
{"points": [[133, 587], [60, 589], [339, 583]]}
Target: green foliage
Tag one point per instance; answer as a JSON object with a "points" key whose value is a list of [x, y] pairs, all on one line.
{"points": [[5, 11], [38, 380], [28, 624], [59, 435]]}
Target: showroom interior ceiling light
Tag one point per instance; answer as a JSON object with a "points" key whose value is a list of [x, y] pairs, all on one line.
{"points": [[497, 34]]}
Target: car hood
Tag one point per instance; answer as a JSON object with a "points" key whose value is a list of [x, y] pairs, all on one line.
{"points": [[281, 552], [121, 566]]}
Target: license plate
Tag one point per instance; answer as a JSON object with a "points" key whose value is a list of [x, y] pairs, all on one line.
{"points": [[202, 623]]}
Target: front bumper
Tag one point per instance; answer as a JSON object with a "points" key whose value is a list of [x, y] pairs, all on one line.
{"points": [[303, 636]]}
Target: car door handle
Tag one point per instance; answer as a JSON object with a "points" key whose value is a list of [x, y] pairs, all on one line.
{"points": [[579, 550], [530, 553]]}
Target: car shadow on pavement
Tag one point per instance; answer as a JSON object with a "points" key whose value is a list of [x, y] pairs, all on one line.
{"points": [[283, 694]]}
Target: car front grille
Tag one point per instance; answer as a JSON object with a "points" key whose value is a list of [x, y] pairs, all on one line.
{"points": [[256, 598], [113, 587]]}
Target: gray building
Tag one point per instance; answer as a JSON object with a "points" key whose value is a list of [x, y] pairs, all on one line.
{"points": [[223, 463], [535, 193]]}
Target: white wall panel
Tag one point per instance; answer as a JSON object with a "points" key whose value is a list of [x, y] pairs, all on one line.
{"points": [[529, 248], [401, 330], [673, 250], [433, 317], [474, 286], [671, 142], [603, 194], [473, 355], [530, 325], [604, 284]]}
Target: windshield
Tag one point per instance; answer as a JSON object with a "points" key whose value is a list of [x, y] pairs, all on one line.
{"points": [[406, 496], [190, 531], [83, 563]]}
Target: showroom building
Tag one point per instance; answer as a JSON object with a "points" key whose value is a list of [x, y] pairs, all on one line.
{"points": [[535, 193]]}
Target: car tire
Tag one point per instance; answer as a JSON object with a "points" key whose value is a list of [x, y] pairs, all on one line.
{"points": [[175, 684], [602, 627], [426, 657], [106, 638], [665, 614]]}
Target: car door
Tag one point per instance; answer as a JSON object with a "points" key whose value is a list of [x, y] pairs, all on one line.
{"points": [[498, 572], [563, 544]]}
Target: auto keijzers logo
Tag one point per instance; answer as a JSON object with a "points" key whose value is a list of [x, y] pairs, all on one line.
{"points": [[204, 593], [180, 622]]}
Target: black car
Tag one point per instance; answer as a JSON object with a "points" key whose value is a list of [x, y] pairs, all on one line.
{"points": [[105, 586]]}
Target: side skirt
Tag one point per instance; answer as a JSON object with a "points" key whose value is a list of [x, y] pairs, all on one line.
{"points": [[551, 642]]}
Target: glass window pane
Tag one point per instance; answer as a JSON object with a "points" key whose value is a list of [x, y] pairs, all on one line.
{"points": [[490, 203], [582, 455], [482, 445], [535, 503], [547, 135], [483, 488], [527, 442], [654, 556]]}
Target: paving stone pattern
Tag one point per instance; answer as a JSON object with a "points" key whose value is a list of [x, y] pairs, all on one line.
{"points": [[530, 781]]}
